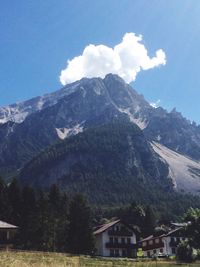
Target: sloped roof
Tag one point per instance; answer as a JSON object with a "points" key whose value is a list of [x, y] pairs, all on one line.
{"points": [[151, 237], [104, 227], [5, 225], [174, 231], [179, 224]]}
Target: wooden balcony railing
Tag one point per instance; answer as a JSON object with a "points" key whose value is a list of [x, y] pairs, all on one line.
{"points": [[121, 245], [119, 233], [153, 246]]}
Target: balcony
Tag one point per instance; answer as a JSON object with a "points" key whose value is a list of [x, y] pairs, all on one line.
{"points": [[153, 246], [123, 232], [121, 245]]}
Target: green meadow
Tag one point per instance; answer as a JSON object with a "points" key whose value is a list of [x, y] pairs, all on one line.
{"points": [[39, 259]]}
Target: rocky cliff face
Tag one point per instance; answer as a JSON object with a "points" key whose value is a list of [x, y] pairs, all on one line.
{"points": [[175, 132], [88, 102], [31, 126]]}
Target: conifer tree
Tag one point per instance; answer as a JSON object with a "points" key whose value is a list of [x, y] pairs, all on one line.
{"points": [[28, 218], [80, 227], [149, 222], [4, 205], [15, 202]]}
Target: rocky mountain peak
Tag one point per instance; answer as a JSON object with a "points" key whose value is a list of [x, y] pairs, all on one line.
{"points": [[38, 123]]}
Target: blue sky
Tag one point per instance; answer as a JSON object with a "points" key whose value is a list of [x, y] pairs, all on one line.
{"points": [[38, 37]]}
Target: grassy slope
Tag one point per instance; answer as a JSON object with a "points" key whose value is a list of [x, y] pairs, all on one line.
{"points": [[29, 259]]}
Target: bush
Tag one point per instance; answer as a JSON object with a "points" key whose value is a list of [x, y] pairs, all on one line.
{"points": [[185, 252]]}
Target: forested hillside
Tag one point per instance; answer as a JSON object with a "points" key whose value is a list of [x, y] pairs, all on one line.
{"points": [[111, 164]]}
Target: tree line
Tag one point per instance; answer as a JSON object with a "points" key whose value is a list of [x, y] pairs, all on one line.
{"points": [[47, 221], [51, 220]]}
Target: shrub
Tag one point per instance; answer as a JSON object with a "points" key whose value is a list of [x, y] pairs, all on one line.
{"points": [[185, 252]]}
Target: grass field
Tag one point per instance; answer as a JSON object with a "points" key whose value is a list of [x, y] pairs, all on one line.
{"points": [[34, 259]]}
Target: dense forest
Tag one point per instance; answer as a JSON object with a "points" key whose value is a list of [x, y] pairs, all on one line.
{"points": [[49, 219], [112, 165]]}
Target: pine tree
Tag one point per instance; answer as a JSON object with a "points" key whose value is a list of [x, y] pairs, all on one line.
{"points": [[54, 206], [149, 222], [28, 218], [80, 228], [4, 204], [63, 225], [42, 239], [15, 202]]}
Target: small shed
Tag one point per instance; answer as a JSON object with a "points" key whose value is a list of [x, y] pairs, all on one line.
{"points": [[7, 235]]}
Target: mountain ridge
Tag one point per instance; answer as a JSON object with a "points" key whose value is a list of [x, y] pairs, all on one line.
{"points": [[85, 104]]}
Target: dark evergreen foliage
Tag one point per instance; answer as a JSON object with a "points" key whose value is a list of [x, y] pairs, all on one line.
{"points": [[80, 227], [192, 217], [113, 165], [51, 221], [184, 252]]}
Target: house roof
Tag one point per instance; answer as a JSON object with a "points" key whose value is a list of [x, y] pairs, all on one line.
{"points": [[104, 227], [163, 235], [5, 225], [179, 224], [174, 231], [152, 237]]}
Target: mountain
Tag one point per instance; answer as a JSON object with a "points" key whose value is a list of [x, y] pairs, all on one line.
{"points": [[29, 127], [89, 102], [112, 163], [184, 171], [175, 132], [19, 111]]}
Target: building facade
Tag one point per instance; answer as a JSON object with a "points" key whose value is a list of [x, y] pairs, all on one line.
{"points": [[115, 239], [7, 235], [163, 245]]}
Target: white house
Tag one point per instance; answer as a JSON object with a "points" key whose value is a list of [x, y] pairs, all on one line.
{"points": [[165, 244], [115, 239]]}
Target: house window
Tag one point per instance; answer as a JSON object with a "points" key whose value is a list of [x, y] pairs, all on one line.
{"points": [[144, 244], [111, 240], [172, 239], [173, 250], [128, 240], [116, 252], [117, 228], [111, 252], [124, 253], [148, 254], [154, 251], [157, 241], [178, 239], [123, 240], [151, 242], [161, 250], [116, 240]]}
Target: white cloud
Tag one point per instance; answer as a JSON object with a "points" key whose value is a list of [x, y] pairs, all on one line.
{"points": [[126, 59], [155, 104]]}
